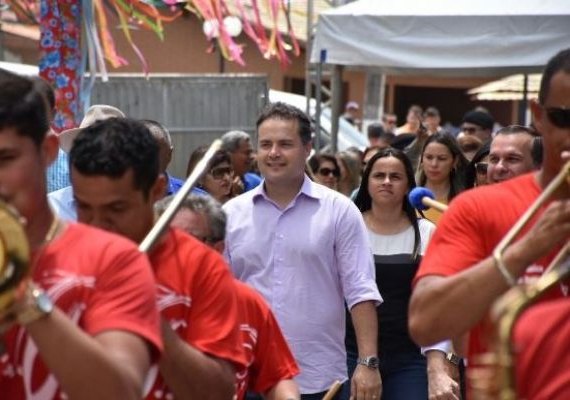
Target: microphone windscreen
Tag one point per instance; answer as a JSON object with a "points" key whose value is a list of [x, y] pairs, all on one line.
{"points": [[417, 194]]}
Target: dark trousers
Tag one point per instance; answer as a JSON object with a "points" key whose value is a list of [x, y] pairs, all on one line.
{"points": [[404, 376]]}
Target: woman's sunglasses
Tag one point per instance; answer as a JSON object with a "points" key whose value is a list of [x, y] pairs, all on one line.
{"points": [[328, 171], [219, 173], [481, 168]]}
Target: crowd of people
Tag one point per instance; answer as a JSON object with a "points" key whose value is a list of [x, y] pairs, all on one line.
{"points": [[284, 272]]}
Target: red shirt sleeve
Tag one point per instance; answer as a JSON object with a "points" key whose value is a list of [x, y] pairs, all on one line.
{"points": [[125, 294]]}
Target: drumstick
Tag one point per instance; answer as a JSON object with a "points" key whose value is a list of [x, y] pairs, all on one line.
{"points": [[333, 390]]}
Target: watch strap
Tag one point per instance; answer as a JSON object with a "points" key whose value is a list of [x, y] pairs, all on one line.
{"points": [[452, 358], [38, 305]]}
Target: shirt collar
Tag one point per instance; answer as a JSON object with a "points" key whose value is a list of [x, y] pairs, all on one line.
{"points": [[308, 188]]}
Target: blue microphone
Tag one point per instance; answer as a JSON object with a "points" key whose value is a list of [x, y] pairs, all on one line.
{"points": [[422, 198]]}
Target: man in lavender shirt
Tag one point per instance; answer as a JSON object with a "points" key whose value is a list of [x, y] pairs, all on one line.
{"points": [[304, 247]]}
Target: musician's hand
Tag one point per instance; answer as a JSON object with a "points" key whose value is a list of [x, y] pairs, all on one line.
{"points": [[366, 384], [442, 377], [551, 229]]}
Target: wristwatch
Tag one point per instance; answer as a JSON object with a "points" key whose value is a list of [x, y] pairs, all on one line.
{"points": [[39, 305], [371, 362], [452, 358]]}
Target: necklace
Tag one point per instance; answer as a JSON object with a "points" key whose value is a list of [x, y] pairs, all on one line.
{"points": [[53, 229]]}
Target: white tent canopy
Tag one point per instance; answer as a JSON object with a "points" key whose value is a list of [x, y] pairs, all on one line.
{"points": [[444, 37]]}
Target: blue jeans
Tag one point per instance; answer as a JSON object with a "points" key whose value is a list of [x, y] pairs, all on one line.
{"points": [[404, 376]]}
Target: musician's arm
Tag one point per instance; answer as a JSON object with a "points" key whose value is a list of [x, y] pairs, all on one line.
{"points": [[191, 374], [438, 307], [112, 364]]}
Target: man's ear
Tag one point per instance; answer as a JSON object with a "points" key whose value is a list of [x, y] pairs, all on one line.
{"points": [[158, 190], [50, 148], [308, 147], [537, 115]]}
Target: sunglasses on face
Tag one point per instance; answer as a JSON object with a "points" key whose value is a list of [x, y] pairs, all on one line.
{"points": [[219, 173], [481, 168], [328, 171], [558, 116]]}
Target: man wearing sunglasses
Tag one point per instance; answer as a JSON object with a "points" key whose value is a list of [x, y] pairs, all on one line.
{"points": [[459, 278]]}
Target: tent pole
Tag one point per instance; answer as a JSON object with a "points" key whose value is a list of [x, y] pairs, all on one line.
{"points": [[523, 105], [318, 93], [336, 104], [308, 50]]}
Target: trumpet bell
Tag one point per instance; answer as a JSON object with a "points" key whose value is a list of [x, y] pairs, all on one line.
{"points": [[14, 253]]}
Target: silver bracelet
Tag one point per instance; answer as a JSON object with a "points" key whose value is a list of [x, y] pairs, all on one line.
{"points": [[500, 265]]}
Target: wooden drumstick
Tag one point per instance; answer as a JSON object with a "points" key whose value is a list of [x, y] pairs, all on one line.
{"points": [[333, 390]]}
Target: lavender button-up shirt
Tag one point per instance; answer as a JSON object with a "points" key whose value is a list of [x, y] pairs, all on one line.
{"points": [[306, 260]]}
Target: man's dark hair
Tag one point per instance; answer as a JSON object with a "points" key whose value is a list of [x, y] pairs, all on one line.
{"points": [[113, 146], [23, 106], [560, 62], [287, 112], [375, 130]]}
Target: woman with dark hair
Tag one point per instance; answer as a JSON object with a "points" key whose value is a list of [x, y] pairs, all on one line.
{"points": [[217, 180], [325, 170], [476, 171], [441, 170], [398, 240]]}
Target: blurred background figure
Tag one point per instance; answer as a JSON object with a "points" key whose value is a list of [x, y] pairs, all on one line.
{"points": [[479, 124], [390, 122], [162, 135], [351, 113], [238, 145], [469, 145], [350, 165], [413, 119], [325, 170], [476, 171], [441, 170], [218, 178], [378, 136], [432, 120]]}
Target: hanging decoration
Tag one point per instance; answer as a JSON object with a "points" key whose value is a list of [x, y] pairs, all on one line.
{"points": [[76, 38]]}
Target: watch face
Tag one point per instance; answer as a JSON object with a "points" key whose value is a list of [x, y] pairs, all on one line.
{"points": [[44, 303]]}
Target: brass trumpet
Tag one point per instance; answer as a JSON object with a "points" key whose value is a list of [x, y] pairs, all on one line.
{"points": [[14, 254], [495, 379]]}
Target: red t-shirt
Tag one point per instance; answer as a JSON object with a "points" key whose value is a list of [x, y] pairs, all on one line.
{"points": [[196, 295], [471, 228], [541, 339], [269, 359], [102, 282]]}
